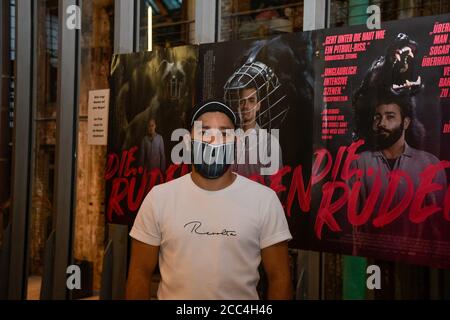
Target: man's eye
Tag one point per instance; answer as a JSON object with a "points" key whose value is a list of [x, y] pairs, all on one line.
{"points": [[227, 134]]}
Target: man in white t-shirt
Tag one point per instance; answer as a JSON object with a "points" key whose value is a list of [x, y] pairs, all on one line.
{"points": [[209, 230]]}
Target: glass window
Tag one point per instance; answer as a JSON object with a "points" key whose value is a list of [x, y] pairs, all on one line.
{"points": [[97, 44], [252, 19], [6, 109], [44, 124], [173, 23]]}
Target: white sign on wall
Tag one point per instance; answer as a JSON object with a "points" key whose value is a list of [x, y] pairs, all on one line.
{"points": [[98, 117]]}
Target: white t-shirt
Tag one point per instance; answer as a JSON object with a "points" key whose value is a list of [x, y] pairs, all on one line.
{"points": [[210, 241]]}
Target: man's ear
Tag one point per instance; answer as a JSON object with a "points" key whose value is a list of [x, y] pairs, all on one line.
{"points": [[258, 106], [406, 123]]}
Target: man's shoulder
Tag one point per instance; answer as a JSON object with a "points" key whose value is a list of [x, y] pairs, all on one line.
{"points": [[169, 186], [366, 156], [368, 153], [256, 188], [422, 155]]}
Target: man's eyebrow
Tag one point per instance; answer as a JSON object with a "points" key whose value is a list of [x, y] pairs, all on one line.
{"points": [[251, 95], [220, 128]]}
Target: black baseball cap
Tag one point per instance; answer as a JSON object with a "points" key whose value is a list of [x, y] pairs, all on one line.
{"points": [[212, 106]]}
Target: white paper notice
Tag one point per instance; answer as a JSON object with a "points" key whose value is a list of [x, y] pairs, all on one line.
{"points": [[98, 117]]}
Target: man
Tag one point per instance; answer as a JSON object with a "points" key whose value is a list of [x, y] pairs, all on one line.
{"points": [[152, 149], [210, 229], [245, 90], [392, 118]]}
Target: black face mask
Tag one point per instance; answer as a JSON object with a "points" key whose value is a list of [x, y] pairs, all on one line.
{"points": [[383, 142], [211, 161]]}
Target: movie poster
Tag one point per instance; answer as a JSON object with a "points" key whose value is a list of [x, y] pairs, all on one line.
{"points": [[351, 129], [151, 96], [269, 84], [380, 172]]}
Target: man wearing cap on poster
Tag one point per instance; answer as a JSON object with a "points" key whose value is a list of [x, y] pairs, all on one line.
{"points": [[206, 235], [258, 151]]}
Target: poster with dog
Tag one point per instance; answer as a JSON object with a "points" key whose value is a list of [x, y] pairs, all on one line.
{"points": [[151, 96], [351, 128], [382, 142]]}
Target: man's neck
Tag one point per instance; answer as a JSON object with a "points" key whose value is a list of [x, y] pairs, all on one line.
{"points": [[213, 184], [249, 126], [152, 135], [396, 150]]}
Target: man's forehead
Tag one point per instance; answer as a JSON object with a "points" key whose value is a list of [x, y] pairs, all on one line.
{"points": [[247, 93], [388, 108], [214, 119]]}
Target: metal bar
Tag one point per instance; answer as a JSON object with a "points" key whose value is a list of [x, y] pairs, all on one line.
{"points": [[66, 148], [22, 146], [106, 286], [205, 22], [49, 255], [354, 268], [5, 254], [314, 14], [137, 23], [115, 254], [123, 26], [308, 286], [244, 13], [119, 236], [3, 38]]}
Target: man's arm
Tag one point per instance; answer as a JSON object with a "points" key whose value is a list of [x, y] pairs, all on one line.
{"points": [[143, 262], [162, 151], [275, 260], [142, 153]]}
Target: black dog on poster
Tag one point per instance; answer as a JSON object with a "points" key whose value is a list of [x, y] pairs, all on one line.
{"points": [[391, 74], [156, 86]]}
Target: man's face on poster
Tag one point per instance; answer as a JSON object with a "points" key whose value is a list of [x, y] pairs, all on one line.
{"points": [[388, 125], [248, 106], [151, 129]]}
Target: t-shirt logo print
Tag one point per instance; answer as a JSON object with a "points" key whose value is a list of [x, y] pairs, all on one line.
{"points": [[194, 227]]}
